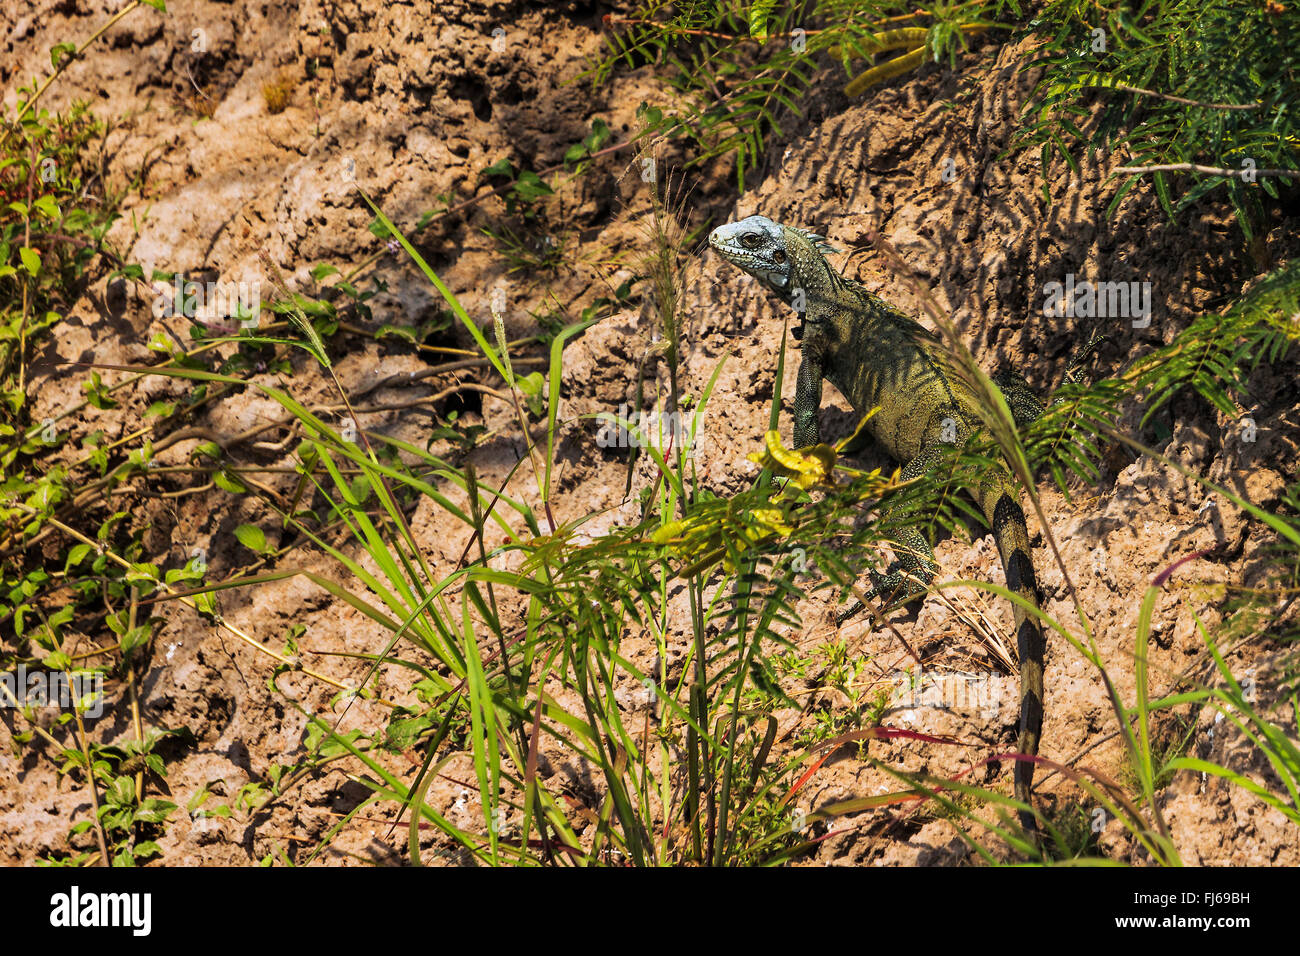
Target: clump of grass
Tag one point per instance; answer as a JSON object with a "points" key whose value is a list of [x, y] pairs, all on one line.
{"points": [[200, 101], [531, 255], [278, 92]]}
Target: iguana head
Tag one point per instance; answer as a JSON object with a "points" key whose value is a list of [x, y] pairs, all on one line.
{"points": [[776, 255]]}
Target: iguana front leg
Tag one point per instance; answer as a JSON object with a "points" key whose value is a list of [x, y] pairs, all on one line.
{"points": [[807, 405], [808, 401], [807, 431]]}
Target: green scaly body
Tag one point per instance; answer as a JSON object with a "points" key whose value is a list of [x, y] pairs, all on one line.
{"points": [[878, 357]]}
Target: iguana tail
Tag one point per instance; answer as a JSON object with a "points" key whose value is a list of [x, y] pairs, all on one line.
{"points": [[999, 500]]}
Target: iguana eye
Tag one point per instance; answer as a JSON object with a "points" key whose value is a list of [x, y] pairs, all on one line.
{"points": [[749, 240]]}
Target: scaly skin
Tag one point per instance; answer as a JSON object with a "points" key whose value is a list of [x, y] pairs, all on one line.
{"points": [[877, 356]]}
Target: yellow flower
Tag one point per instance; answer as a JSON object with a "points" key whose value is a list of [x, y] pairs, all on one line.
{"points": [[806, 468]]}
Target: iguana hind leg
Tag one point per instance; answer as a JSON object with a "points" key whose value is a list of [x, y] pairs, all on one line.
{"points": [[1026, 407], [909, 575]]}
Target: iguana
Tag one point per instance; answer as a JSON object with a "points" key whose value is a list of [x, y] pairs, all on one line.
{"points": [[877, 356]]}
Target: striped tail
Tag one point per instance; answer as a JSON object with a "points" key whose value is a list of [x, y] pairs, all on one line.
{"points": [[1000, 501]]}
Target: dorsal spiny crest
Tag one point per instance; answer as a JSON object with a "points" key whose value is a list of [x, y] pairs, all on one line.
{"points": [[818, 242]]}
